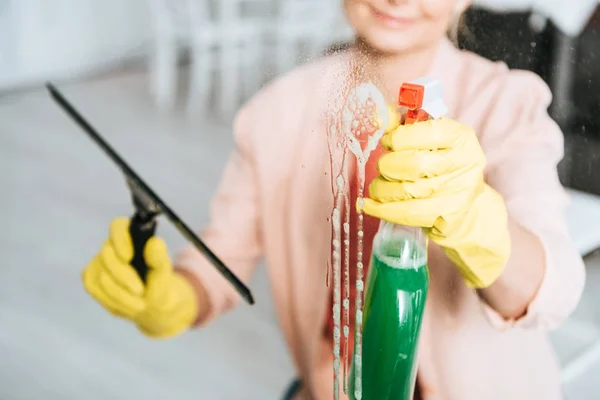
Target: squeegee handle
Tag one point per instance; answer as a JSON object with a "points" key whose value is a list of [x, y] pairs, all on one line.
{"points": [[141, 229]]}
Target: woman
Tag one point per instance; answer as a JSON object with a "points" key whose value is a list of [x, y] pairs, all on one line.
{"points": [[503, 269]]}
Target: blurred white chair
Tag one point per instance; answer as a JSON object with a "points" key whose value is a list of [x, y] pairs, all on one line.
{"points": [[171, 32], [230, 44], [223, 42], [305, 28], [227, 43]]}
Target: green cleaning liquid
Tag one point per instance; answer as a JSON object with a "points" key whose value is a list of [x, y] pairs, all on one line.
{"points": [[394, 304]]}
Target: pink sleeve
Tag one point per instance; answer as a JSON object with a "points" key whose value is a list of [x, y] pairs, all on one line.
{"points": [[523, 147], [233, 229]]}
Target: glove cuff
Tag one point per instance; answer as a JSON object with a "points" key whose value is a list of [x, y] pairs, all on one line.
{"points": [[479, 244]]}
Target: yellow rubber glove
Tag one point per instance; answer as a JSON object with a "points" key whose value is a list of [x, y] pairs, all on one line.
{"points": [[164, 307], [433, 178]]}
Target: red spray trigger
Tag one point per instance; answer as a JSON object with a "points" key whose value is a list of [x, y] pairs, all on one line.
{"points": [[424, 99], [411, 96]]}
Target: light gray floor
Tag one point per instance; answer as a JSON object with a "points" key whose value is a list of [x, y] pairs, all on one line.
{"points": [[58, 193]]}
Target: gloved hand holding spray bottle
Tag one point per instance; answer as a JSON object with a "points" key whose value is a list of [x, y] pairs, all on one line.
{"points": [[397, 285]]}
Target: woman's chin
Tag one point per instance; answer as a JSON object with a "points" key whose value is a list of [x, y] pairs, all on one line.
{"points": [[388, 44]]}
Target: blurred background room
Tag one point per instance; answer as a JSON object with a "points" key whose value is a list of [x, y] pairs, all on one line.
{"points": [[162, 80]]}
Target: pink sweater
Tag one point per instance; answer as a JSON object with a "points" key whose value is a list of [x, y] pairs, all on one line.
{"points": [[275, 198]]}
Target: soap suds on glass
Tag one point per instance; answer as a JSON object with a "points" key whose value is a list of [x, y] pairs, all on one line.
{"points": [[357, 118]]}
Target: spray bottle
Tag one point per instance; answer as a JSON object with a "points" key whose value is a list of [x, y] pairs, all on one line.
{"points": [[396, 286]]}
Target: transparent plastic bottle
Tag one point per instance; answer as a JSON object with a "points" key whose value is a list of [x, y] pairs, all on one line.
{"points": [[397, 284], [396, 290]]}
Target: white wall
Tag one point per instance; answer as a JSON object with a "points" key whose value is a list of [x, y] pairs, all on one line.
{"points": [[66, 39]]}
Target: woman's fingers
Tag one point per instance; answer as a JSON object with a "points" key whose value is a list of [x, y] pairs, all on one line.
{"points": [[120, 239], [393, 119], [411, 165], [384, 190], [436, 134], [422, 212], [429, 149], [156, 255], [126, 302], [107, 293], [122, 273]]}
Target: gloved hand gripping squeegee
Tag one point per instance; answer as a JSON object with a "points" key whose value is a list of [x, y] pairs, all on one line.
{"points": [[148, 206]]}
